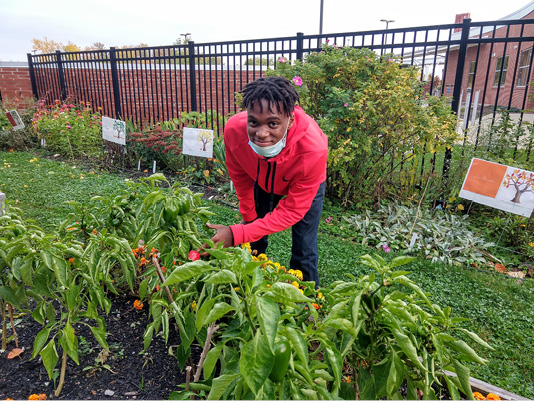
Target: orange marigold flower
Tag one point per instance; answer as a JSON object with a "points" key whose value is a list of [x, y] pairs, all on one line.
{"points": [[478, 396], [71, 260], [138, 304], [42, 396], [143, 262], [153, 251], [316, 306], [492, 396], [95, 232]]}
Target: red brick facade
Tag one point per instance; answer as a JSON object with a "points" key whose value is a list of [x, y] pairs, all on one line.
{"points": [[15, 83], [490, 54], [145, 93]]}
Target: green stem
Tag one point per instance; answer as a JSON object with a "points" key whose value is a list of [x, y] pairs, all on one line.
{"points": [[62, 375], [4, 326]]}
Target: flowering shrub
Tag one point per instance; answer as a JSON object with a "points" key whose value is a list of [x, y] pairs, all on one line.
{"points": [[376, 116], [71, 129]]}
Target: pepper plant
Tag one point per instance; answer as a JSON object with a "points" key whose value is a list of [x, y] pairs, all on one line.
{"points": [[375, 332]]}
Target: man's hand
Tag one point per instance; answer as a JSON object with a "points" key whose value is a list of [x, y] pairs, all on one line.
{"points": [[224, 235]]}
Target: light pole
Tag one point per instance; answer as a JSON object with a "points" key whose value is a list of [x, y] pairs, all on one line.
{"points": [[185, 35], [321, 18], [387, 21]]}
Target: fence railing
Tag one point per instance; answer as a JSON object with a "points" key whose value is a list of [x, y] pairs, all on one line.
{"points": [[482, 66]]}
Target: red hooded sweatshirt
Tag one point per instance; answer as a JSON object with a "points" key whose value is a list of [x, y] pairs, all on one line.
{"points": [[296, 172]]}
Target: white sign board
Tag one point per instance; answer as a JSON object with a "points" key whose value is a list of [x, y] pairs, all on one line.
{"points": [[14, 119], [198, 142], [502, 187], [114, 130]]}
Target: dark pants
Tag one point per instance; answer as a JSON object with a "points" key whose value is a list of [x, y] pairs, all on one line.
{"points": [[304, 249]]}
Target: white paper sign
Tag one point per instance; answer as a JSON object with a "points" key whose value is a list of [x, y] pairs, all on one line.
{"points": [[114, 130], [14, 119], [198, 142]]}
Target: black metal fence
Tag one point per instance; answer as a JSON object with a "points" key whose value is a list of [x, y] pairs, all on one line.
{"points": [[482, 66]]}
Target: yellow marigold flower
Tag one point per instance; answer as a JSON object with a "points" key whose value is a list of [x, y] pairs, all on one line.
{"points": [[492, 396], [460, 207], [262, 256], [531, 244], [478, 396], [296, 273], [301, 290], [194, 305], [237, 289], [295, 284], [138, 304], [320, 296], [246, 245]]}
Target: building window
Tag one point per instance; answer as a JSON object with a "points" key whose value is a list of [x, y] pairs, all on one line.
{"points": [[502, 67], [524, 65], [471, 78]]}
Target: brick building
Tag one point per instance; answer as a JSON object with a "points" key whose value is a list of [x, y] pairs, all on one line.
{"points": [[499, 72]]}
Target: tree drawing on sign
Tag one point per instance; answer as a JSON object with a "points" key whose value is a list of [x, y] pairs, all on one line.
{"points": [[204, 137], [521, 180], [119, 126]]}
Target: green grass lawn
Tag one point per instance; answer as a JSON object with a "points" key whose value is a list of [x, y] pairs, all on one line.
{"points": [[499, 309]]}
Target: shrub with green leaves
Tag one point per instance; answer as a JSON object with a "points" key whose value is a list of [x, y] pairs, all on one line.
{"points": [[74, 130], [377, 118]]}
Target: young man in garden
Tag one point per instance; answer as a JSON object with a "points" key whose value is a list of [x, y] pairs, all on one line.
{"points": [[276, 156]]}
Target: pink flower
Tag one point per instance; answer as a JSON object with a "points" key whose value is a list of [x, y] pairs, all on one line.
{"points": [[328, 219], [69, 127], [297, 80], [385, 248], [193, 255], [282, 59], [346, 105], [327, 40]]}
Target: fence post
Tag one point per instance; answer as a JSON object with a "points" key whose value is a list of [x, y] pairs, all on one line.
{"points": [[300, 45], [32, 76], [457, 90], [192, 75], [115, 82], [61, 75]]}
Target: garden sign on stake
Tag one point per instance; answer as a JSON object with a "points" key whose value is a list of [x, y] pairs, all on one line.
{"points": [[502, 187], [198, 142], [114, 130]]}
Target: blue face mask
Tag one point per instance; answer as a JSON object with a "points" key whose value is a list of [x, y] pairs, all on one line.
{"points": [[273, 150]]}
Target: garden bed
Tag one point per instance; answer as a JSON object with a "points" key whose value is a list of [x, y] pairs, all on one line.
{"points": [[132, 374]]}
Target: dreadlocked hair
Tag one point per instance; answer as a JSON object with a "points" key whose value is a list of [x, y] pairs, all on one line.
{"points": [[275, 90]]}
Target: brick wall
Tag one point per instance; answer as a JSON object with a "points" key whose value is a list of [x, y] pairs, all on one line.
{"points": [[15, 83], [151, 93]]}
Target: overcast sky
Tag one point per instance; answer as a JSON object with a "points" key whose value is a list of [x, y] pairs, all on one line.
{"points": [[161, 22]]}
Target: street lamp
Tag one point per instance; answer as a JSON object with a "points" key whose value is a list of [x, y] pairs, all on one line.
{"points": [[185, 35], [387, 21]]}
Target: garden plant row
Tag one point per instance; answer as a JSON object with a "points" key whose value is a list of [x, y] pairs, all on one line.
{"points": [[264, 333]]}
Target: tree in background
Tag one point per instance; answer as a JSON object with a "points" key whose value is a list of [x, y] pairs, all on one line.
{"points": [[46, 45]]}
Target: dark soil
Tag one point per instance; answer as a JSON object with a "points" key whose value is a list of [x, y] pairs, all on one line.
{"points": [[153, 375]]}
